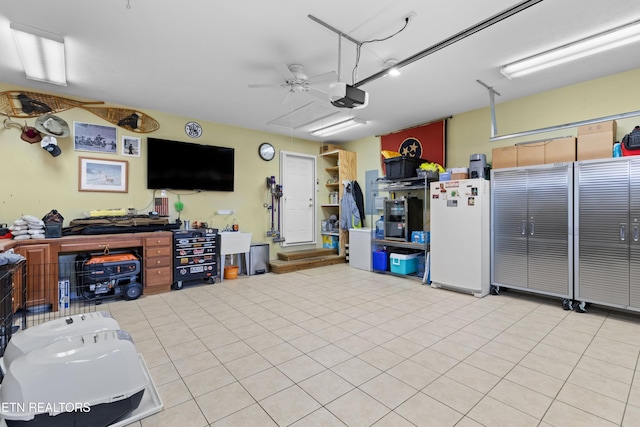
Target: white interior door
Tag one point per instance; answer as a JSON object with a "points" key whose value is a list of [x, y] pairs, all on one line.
{"points": [[298, 203]]}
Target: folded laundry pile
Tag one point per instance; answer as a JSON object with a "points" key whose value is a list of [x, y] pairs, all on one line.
{"points": [[27, 227]]}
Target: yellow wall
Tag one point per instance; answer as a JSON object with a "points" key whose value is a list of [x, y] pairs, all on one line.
{"points": [[468, 133], [33, 182]]}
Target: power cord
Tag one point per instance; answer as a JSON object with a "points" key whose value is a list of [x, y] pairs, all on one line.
{"points": [[354, 73]]}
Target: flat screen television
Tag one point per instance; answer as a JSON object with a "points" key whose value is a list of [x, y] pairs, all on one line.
{"points": [[180, 165]]}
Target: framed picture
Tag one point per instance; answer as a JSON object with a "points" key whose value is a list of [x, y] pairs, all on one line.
{"points": [[98, 138], [103, 175], [130, 146]]}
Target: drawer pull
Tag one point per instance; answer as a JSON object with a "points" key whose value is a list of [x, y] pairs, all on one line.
{"points": [[158, 262]]}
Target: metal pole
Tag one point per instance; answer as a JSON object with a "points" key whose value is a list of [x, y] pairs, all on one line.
{"points": [[492, 103], [346, 36], [566, 125]]}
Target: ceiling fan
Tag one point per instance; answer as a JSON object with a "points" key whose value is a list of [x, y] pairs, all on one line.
{"points": [[296, 81]]}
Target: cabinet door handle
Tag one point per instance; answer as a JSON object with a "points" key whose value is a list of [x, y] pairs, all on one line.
{"points": [[635, 232], [532, 228], [523, 228], [623, 232]]}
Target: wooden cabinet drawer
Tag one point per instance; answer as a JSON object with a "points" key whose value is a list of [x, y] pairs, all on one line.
{"points": [[158, 276], [155, 262], [157, 251], [161, 240]]}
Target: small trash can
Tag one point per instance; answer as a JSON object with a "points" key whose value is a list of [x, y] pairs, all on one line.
{"points": [[258, 258]]}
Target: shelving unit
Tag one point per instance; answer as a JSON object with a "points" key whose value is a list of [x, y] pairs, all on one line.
{"points": [[340, 165], [405, 187]]}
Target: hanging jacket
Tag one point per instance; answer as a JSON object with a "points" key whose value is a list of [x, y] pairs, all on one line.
{"points": [[359, 198], [349, 215]]}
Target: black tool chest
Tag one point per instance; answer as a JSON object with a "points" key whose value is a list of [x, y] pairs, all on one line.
{"points": [[195, 256]]}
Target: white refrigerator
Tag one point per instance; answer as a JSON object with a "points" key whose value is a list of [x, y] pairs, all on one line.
{"points": [[460, 235]]}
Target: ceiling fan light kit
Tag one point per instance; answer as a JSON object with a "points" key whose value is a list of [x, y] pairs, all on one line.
{"points": [[617, 37]]}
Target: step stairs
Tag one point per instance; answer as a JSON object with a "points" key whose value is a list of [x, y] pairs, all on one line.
{"points": [[291, 261]]}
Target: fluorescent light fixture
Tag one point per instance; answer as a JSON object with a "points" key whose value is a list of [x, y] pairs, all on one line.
{"points": [[621, 36], [338, 127], [390, 66], [41, 53]]}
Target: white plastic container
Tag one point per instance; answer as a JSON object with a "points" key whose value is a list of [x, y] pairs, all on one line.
{"points": [[45, 333], [91, 379]]}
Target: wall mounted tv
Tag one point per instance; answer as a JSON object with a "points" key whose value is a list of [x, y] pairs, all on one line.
{"points": [[179, 165]]}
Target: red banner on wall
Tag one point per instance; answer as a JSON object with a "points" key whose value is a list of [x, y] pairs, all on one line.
{"points": [[426, 142]]}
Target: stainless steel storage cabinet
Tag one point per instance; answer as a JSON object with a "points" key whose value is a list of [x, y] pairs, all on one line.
{"points": [[607, 204], [532, 230]]}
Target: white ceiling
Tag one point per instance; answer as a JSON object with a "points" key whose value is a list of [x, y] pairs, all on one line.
{"points": [[195, 58]]}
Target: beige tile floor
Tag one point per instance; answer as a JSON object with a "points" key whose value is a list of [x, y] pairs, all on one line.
{"points": [[337, 346]]}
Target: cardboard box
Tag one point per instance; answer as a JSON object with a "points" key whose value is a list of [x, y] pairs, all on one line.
{"points": [[329, 241], [557, 150], [595, 145], [560, 150], [503, 157], [609, 126], [328, 147], [459, 175], [530, 154]]}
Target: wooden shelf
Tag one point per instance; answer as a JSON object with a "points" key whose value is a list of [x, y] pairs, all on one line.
{"points": [[340, 165]]}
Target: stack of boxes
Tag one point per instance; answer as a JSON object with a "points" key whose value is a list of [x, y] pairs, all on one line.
{"points": [[594, 141]]}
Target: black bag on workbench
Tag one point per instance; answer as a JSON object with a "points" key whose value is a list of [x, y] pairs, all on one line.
{"points": [[53, 224]]}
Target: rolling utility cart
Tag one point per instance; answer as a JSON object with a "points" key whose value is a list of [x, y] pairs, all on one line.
{"points": [[195, 256]]}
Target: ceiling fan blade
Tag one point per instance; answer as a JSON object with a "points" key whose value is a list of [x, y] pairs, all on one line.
{"points": [[331, 76], [287, 97], [284, 70], [253, 86], [318, 94]]}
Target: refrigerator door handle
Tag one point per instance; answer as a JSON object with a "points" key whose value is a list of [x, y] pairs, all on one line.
{"points": [[635, 232], [531, 228], [523, 228], [623, 232]]}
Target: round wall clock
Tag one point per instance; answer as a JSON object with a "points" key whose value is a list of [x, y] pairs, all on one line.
{"points": [[193, 129], [266, 151]]}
